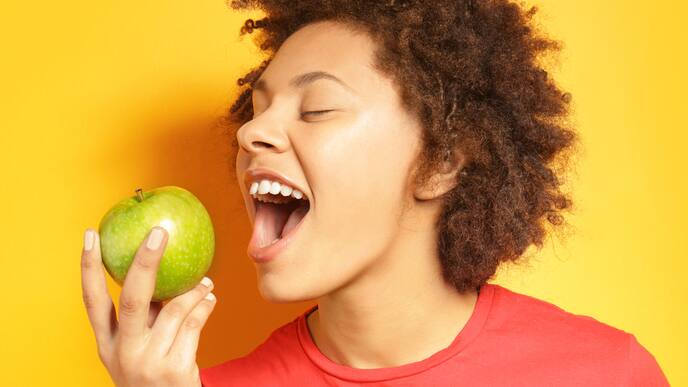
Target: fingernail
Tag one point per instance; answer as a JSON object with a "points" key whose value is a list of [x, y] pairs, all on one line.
{"points": [[206, 281], [210, 297], [154, 239], [89, 238]]}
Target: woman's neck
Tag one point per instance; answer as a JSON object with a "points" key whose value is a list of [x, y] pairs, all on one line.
{"points": [[399, 312], [380, 342]]}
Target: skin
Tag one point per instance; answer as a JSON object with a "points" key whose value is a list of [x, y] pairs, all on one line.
{"points": [[367, 248], [150, 344]]}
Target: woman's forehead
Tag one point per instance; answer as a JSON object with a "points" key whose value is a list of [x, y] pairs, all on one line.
{"points": [[322, 47]]}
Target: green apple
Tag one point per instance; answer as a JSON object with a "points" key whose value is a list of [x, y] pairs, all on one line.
{"points": [[190, 245]]}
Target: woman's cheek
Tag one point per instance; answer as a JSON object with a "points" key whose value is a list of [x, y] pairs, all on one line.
{"points": [[354, 175]]}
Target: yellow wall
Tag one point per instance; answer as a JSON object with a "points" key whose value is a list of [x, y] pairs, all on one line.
{"points": [[99, 98]]}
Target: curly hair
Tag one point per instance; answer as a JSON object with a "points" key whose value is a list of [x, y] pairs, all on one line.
{"points": [[471, 72]]}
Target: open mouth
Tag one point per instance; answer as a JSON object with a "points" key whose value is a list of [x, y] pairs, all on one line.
{"points": [[275, 220]]}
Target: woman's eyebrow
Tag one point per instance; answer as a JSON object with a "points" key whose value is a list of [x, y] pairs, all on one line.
{"points": [[302, 80]]}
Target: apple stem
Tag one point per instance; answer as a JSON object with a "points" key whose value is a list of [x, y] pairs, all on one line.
{"points": [[139, 194]]}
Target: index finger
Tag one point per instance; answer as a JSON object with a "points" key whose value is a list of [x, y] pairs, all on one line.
{"points": [[139, 285]]}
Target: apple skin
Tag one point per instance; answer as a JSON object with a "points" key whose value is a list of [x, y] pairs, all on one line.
{"points": [[190, 245]]}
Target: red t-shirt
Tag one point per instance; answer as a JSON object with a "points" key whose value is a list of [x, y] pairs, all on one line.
{"points": [[511, 339]]}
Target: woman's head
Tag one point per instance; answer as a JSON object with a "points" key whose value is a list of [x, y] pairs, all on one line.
{"points": [[445, 137]]}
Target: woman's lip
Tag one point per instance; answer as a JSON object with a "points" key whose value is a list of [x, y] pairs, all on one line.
{"points": [[265, 254]]}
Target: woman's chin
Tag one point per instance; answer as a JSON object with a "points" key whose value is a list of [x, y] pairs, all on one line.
{"points": [[275, 291]]}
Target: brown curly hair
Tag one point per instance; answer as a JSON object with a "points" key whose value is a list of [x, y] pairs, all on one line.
{"points": [[470, 71]]}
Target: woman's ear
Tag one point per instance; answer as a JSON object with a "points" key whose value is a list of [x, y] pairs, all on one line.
{"points": [[444, 180]]}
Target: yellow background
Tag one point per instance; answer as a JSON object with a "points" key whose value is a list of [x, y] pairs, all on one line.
{"points": [[99, 98]]}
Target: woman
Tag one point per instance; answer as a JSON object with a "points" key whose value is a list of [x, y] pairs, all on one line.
{"points": [[391, 156]]}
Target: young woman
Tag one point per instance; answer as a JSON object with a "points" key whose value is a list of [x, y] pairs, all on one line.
{"points": [[390, 155]]}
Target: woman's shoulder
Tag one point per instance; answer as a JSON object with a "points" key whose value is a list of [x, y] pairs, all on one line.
{"points": [[529, 316], [546, 330]]}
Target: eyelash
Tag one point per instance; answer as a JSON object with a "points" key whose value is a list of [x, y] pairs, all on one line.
{"points": [[317, 112]]}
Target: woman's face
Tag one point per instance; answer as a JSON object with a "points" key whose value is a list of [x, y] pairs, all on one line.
{"points": [[352, 162]]}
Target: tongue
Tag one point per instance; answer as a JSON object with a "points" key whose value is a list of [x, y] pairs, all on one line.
{"points": [[274, 220], [269, 220]]}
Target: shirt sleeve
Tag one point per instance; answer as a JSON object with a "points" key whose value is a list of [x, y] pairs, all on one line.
{"points": [[643, 368]]}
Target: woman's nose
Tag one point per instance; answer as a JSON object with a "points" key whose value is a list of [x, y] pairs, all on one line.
{"points": [[261, 135]]}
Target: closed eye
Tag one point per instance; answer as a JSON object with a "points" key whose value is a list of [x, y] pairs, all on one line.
{"points": [[317, 112]]}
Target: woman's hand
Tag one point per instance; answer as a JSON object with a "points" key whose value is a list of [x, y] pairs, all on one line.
{"points": [[150, 345]]}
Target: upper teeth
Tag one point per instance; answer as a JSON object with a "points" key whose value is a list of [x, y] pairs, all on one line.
{"points": [[274, 187]]}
